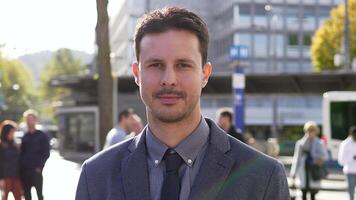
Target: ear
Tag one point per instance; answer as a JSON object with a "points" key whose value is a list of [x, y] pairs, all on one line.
{"points": [[136, 72], [207, 69]]}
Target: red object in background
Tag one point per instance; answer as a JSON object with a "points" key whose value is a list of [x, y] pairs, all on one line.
{"points": [[324, 139]]}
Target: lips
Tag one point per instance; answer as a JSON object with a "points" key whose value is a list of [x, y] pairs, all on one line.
{"points": [[169, 96], [169, 99]]}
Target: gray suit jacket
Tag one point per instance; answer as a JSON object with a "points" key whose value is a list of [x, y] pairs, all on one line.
{"points": [[230, 170]]}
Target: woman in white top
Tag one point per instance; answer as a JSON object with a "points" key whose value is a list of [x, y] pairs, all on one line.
{"points": [[308, 150], [347, 158]]}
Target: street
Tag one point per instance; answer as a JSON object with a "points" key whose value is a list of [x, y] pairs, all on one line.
{"points": [[61, 177]]}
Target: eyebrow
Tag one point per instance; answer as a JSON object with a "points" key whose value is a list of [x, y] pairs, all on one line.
{"points": [[151, 60], [186, 61]]}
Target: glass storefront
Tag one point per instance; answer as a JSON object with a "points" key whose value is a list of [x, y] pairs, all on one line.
{"points": [[78, 131]]}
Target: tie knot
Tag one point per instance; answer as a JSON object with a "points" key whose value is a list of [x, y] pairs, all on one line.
{"points": [[172, 160]]}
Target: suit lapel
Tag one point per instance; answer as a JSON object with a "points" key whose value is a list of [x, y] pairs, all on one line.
{"points": [[215, 168], [135, 172]]}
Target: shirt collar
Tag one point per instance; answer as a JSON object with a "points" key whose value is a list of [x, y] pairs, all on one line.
{"points": [[188, 149]]}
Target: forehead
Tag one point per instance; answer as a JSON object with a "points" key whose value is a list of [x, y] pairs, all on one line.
{"points": [[31, 116], [170, 44]]}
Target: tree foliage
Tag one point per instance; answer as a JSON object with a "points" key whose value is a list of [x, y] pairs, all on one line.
{"points": [[328, 38], [62, 63], [16, 89]]}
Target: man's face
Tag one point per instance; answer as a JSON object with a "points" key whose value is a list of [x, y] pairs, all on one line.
{"points": [[224, 122], [170, 74], [31, 120]]}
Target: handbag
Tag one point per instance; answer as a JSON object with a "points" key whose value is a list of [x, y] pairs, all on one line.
{"points": [[318, 172]]}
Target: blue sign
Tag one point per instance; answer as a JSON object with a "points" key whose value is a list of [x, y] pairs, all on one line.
{"points": [[239, 100], [238, 52]]}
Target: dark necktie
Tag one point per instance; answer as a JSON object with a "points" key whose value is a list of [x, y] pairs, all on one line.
{"points": [[171, 186]]}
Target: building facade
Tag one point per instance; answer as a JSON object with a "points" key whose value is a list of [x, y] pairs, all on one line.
{"points": [[278, 35]]}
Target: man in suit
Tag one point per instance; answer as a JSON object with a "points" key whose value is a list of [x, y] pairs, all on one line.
{"points": [[180, 154]]}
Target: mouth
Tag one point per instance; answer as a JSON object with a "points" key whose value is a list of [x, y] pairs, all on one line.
{"points": [[169, 96], [169, 99]]}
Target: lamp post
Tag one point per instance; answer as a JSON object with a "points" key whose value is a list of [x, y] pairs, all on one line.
{"points": [[272, 58]]}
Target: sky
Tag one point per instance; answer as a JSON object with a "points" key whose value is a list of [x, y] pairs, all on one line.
{"points": [[29, 26]]}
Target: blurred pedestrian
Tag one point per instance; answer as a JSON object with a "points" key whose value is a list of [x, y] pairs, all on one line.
{"points": [[309, 150], [9, 161], [121, 131], [347, 158], [137, 125], [180, 154], [34, 154], [224, 119]]}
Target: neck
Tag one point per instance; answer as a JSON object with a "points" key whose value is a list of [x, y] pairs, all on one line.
{"points": [[31, 130], [172, 134]]}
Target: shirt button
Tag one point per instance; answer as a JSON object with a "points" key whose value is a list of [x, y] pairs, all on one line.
{"points": [[190, 161], [156, 162]]}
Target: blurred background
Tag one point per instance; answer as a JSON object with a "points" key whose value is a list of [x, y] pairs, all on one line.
{"points": [[276, 64]]}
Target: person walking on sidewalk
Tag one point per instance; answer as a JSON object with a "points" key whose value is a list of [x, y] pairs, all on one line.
{"points": [[180, 154], [308, 150], [347, 159], [9, 161], [34, 154]]}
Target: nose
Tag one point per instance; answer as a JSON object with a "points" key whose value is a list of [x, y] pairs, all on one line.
{"points": [[169, 77]]}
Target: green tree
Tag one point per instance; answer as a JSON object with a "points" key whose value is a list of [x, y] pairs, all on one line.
{"points": [[105, 82], [328, 38], [62, 63], [16, 89]]}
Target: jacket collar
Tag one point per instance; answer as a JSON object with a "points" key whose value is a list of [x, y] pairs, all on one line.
{"points": [[213, 171]]}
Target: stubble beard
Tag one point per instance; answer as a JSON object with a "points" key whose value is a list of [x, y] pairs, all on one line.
{"points": [[165, 117]]}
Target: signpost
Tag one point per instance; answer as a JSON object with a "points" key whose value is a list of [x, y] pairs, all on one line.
{"points": [[237, 53]]}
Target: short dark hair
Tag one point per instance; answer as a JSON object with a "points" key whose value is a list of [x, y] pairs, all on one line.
{"points": [[164, 19], [6, 127], [352, 130], [226, 112], [125, 113]]}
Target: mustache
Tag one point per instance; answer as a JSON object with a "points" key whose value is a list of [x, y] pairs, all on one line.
{"points": [[169, 92]]}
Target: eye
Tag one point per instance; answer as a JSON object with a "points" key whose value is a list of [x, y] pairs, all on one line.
{"points": [[183, 65], [155, 65]]}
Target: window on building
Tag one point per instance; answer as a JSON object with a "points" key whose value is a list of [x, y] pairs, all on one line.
{"points": [[225, 17], [292, 39], [260, 41], [307, 67], [309, 18], [323, 15], [221, 47], [261, 17], [242, 15], [260, 66], [292, 18], [278, 44], [78, 131], [242, 39], [293, 66], [307, 40]]}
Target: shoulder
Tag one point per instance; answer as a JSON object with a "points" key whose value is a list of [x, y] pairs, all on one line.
{"points": [[243, 155], [247, 155], [109, 157]]}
